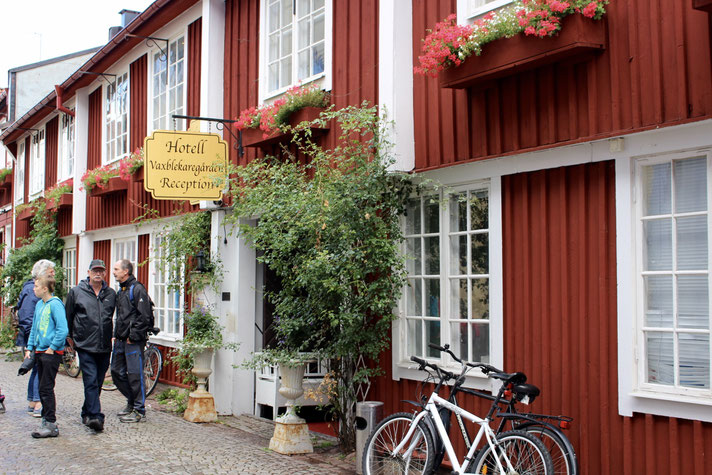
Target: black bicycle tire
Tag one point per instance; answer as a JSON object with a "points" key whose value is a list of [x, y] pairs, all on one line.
{"points": [[544, 465], [72, 368], [406, 419], [564, 446], [150, 375]]}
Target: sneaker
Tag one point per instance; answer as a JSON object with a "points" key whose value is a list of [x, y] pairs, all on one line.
{"points": [[37, 412], [47, 429], [96, 424], [30, 410], [135, 416], [126, 411]]}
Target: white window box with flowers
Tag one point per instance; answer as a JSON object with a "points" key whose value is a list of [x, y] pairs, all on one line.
{"points": [[295, 44]]}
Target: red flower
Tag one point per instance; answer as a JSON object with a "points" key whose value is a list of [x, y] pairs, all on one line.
{"points": [[590, 10]]}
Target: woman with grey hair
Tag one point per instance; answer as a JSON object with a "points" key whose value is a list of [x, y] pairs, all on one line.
{"points": [[25, 312]]}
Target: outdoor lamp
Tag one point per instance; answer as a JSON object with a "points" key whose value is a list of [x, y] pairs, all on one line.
{"points": [[200, 261]]}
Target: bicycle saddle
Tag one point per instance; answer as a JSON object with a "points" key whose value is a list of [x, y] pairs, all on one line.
{"points": [[524, 391]]}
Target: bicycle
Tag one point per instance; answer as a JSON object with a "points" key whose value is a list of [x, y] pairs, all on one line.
{"points": [[70, 361], [545, 427], [405, 443], [152, 364]]}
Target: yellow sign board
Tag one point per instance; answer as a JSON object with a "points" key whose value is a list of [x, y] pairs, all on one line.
{"points": [[185, 166]]}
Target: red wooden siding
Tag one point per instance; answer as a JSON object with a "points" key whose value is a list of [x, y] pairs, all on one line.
{"points": [[195, 31], [26, 192], [64, 221], [138, 123], [655, 71], [355, 57], [51, 152], [102, 250], [94, 139], [22, 230], [142, 268]]}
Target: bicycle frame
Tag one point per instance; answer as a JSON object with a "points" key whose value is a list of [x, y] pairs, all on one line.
{"points": [[431, 408]]}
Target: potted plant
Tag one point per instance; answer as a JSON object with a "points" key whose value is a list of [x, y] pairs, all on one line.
{"points": [[132, 166], [103, 180]]}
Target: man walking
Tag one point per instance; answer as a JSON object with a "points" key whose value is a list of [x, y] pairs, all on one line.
{"points": [[90, 310], [133, 322]]}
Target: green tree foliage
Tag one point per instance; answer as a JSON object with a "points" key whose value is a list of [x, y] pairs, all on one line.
{"points": [[328, 226]]}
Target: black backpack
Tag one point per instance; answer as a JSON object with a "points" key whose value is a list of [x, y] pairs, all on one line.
{"points": [[152, 318]]}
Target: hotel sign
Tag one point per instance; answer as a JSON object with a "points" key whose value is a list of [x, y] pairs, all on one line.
{"points": [[185, 166]]}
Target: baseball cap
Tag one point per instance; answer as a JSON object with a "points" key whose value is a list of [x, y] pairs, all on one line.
{"points": [[96, 263]]}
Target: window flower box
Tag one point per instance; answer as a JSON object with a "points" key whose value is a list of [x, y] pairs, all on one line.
{"points": [[259, 138], [6, 181], [26, 213], [138, 175], [578, 39], [114, 185], [65, 200], [704, 5]]}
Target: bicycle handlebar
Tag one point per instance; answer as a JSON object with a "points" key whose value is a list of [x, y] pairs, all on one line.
{"points": [[445, 375]]}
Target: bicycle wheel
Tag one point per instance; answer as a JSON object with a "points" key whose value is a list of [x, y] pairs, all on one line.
{"points": [[152, 365], [559, 447], [378, 456], [525, 452], [70, 362]]}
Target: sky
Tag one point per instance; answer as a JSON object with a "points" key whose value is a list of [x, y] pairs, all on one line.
{"points": [[36, 30]]}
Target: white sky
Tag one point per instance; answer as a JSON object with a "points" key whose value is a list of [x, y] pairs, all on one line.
{"points": [[35, 30]]}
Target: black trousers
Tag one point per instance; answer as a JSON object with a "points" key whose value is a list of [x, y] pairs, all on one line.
{"points": [[93, 366], [127, 373], [47, 367]]}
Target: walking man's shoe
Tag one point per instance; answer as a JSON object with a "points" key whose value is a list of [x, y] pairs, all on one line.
{"points": [[96, 424], [135, 416], [126, 411], [47, 429]]}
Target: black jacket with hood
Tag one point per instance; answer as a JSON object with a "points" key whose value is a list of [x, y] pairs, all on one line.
{"points": [[133, 318], [90, 317]]}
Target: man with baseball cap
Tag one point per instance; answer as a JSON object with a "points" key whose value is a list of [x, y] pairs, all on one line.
{"points": [[90, 310]]}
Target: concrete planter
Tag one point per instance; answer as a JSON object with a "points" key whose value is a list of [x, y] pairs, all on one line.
{"points": [[201, 405], [291, 433]]}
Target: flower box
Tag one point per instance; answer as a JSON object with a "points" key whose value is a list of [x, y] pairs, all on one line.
{"points": [[115, 185], [26, 214], [138, 175], [578, 39], [704, 5], [256, 137], [7, 181], [66, 200]]}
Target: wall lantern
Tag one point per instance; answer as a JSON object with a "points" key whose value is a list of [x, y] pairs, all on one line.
{"points": [[200, 261]]}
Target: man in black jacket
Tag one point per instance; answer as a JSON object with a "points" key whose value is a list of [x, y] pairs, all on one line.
{"points": [[133, 322], [90, 310]]}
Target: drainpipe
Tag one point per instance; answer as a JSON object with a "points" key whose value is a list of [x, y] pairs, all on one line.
{"points": [[60, 107]]}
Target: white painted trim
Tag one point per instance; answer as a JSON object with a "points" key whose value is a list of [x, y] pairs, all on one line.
{"points": [[395, 78], [467, 16], [81, 140], [212, 60]]}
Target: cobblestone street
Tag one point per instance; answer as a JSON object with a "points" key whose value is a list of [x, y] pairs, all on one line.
{"points": [[165, 443]]}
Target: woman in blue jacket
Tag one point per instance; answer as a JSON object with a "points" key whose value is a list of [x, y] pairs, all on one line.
{"points": [[47, 337]]}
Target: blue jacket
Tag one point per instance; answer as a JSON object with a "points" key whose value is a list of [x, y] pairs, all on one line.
{"points": [[49, 326], [26, 306]]}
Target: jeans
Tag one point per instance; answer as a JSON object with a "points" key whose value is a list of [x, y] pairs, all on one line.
{"points": [[33, 385], [127, 373], [48, 365], [93, 366]]}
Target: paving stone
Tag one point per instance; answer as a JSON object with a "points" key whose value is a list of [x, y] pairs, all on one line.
{"points": [[164, 443]]}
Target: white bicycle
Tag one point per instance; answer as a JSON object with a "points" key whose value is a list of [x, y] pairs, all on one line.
{"points": [[405, 443]]}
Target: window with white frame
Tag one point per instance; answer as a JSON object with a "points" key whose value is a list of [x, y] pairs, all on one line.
{"points": [[169, 85], [297, 39], [20, 173], [37, 163], [66, 149], [673, 285], [125, 249], [69, 263], [117, 107], [448, 261], [468, 10], [168, 303]]}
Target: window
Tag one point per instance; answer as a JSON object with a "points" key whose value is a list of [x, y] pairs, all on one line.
{"points": [[125, 249], [20, 173], [168, 303], [448, 296], [169, 85], [37, 163], [673, 285], [117, 105], [297, 42], [69, 262], [66, 161], [468, 10]]}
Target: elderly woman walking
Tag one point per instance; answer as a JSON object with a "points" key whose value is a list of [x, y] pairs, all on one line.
{"points": [[25, 312]]}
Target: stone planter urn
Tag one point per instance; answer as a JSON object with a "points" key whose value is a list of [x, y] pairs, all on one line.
{"points": [[201, 405], [291, 433]]}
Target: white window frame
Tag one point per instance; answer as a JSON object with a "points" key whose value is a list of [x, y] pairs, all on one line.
{"points": [[165, 122], [161, 296], [19, 183], [324, 78], [67, 140], [119, 248], [469, 10], [37, 163], [401, 365], [69, 263], [116, 111]]}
